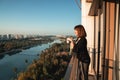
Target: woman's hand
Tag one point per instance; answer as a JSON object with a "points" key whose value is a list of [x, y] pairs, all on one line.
{"points": [[71, 41]]}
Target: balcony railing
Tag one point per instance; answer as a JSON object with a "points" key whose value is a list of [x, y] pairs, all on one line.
{"points": [[72, 70], [71, 73]]}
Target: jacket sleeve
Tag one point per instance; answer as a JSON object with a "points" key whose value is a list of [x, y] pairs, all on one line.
{"points": [[80, 46]]}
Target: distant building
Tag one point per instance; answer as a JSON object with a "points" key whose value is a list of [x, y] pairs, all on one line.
{"points": [[19, 36], [0, 37], [11, 36], [5, 37]]}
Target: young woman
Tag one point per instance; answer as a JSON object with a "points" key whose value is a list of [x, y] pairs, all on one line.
{"points": [[80, 49]]}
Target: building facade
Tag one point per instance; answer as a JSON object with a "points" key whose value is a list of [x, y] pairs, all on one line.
{"points": [[101, 19]]}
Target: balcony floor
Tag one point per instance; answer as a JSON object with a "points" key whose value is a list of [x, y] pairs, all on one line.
{"points": [[91, 77]]}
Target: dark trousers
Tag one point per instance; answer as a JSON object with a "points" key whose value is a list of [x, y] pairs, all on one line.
{"points": [[83, 70]]}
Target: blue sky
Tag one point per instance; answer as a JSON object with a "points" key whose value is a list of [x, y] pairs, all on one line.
{"points": [[51, 17]]}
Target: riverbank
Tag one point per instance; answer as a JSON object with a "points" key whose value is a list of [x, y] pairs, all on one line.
{"points": [[19, 62], [15, 46], [15, 50]]}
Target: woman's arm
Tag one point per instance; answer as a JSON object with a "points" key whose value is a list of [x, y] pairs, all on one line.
{"points": [[71, 42]]}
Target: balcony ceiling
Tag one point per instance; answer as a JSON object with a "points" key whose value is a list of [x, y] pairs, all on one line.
{"points": [[94, 8], [98, 4]]}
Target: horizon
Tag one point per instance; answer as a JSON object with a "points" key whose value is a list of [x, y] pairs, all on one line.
{"points": [[39, 34], [45, 17]]}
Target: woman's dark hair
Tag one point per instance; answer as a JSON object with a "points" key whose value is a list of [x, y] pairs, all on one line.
{"points": [[81, 30]]}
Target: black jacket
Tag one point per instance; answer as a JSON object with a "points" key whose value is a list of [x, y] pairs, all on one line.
{"points": [[80, 48]]}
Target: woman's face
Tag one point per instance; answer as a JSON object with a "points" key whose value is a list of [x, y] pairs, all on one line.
{"points": [[76, 33]]}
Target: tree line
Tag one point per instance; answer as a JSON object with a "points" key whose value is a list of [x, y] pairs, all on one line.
{"points": [[51, 65], [14, 44]]}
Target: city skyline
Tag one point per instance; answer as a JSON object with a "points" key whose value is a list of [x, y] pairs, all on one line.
{"points": [[45, 17]]}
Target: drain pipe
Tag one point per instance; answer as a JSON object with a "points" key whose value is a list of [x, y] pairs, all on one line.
{"points": [[99, 34], [104, 41]]}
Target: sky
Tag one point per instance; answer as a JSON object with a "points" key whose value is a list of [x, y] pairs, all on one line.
{"points": [[43, 17]]}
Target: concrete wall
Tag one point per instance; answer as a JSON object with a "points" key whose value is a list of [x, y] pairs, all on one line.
{"points": [[88, 23]]}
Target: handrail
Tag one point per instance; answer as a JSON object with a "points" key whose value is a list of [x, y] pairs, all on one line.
{"points": [[71, 73], [72, 70]]}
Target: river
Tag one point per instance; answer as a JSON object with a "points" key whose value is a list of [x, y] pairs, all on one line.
{"points": [[17, 61]]}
